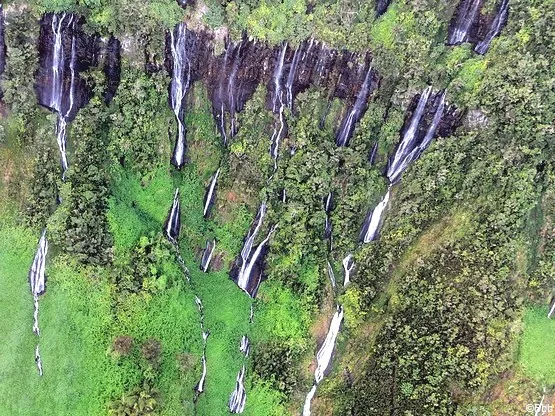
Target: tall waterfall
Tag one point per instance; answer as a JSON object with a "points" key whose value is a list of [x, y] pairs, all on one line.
{"points": [[247, 270], [324, 355], [210, 195], [37, 281], [56, 98], [467, 12], [278, 104], [2, 44], [498, 22], [348, 124], [181, 78]]}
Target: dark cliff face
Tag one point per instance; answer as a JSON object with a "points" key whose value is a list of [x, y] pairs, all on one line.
{"points": [[3, 48], [62, 89], [470, 25], [451, 117], [112, 68], [381, 6], [233, 76]]}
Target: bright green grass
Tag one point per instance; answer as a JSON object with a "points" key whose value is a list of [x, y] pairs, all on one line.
{"points": [[537, 349]]}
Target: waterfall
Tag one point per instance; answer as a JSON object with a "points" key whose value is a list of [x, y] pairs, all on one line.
{"points": [[327, 209], [323, 357], [278, 105], [348, 124], [291, 76], [411, 147], [173, 221], [231, 89], [56, 95], [210, 195], [37, 282], [331, 274], [467, 12], [244, 347], [2, 44], [401, 158], [247, 270], [200, 385], [551, 309], [181, 77], [348, 266], [498, 23], [372, 222], [207, 255], [239, 396], [373, 154]]}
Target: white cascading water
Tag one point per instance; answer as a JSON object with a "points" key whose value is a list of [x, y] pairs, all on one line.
{"points": [[210, 194], [401, 159], [231, 89], [181, 75], [324, 355], [551, 310], [348, 266], [372, 223], [466, 17], [57, 92], [348, 124], [239, 396], [200, 385], [37, 281], [291, 75], [500, 19], [207, 255], [278, 105]]}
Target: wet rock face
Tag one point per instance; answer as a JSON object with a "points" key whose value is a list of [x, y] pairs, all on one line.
{"points": [[381, 6], [59, 85], [470, 25], [112, 68], [233, 79], [3, 48], [451, 118], [287, 70]]}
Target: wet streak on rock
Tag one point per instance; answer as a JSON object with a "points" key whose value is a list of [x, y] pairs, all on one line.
{"points": [[381, 6], [112, 68], [469, 25], [247, 270], [210, 195], [499, 21], [3, 48], [64, 52]]}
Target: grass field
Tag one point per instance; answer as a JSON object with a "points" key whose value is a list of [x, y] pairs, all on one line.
{"points": [[537, 349]]}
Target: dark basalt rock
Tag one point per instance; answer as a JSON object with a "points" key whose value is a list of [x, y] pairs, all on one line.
{"points": [[470, 25], [3, 47], [77, 49], [185, 3], [381, 6], [112, 68]]}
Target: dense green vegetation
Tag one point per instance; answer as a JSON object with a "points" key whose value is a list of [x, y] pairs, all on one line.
{"points": [[445, 310]]}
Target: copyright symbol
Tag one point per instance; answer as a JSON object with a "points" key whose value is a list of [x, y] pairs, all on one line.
{"points": [[530, 407]]}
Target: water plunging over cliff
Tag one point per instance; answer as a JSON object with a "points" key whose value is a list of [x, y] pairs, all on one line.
{"points": [[2, 45], [468, 25], [467, 12], [179, 86], [207, 254], [248, 267], [37, 282], [173, 220], [499, 21], [64, 51], [210, 195], [354, 115], [278, 104]]}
